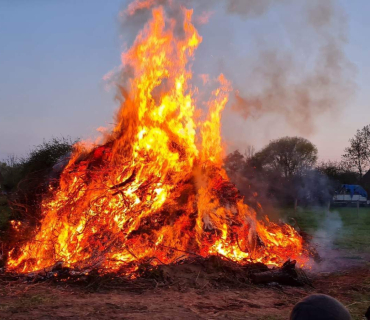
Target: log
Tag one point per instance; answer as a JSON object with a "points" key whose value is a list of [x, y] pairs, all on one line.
{"points": [[286, 275]]}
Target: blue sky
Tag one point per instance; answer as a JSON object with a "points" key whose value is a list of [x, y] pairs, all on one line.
{"points": [[54, 54]]}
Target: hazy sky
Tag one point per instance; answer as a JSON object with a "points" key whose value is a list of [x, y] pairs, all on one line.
{"points": [[54, 54]]}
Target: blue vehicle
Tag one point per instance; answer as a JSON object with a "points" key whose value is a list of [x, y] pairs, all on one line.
{"points": [[350, 194]]}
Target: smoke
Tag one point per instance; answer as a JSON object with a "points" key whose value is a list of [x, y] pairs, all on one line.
{"points": [[244, 8], [330, 242], [250, 8], [305, 79], [138, 12], [302, 75], [330, 227], [314, 189]]}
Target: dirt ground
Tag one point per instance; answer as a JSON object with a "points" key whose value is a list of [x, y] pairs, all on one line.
{"points": [[56, 301]]}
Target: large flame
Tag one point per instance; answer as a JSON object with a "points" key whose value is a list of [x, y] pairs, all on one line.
{"points": [[157, 187]]}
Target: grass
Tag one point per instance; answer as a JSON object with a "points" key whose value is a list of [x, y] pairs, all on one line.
{"points": [[347, 228]]}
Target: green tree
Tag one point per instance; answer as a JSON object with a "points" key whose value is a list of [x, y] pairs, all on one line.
{"points": [[288, 156], [357, 155]]}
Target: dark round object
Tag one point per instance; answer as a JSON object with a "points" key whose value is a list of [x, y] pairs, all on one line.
{"points": [[319, 307], [367, 314]]}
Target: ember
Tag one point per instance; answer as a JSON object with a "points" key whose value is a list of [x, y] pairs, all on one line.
{"points": [[157, 187]]}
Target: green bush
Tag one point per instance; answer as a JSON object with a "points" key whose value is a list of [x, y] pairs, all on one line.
{"points": [[25, 180]]}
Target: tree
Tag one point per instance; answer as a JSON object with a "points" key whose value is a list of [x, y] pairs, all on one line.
{"points": [[249, 152], [289, 156], [234, 162], [35, 166], [26, 180], [10, 173], [357, 155], [338, 172], [44, 156]]}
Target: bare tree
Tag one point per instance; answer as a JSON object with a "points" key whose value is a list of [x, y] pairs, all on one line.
{"points": [[249, 152], [357, 155]]}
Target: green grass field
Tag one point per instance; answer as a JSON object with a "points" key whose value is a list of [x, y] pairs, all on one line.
{"points": [[347, 228], [349, 231]]}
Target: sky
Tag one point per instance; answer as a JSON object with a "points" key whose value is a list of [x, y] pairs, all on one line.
{"points": [[54, 55]]}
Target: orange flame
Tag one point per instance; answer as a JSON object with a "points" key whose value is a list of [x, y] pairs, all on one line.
{"points": [[152, 190]]}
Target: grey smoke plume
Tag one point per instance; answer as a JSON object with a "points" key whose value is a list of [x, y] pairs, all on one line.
{"points": [[138, 11], [250, 8], [296, 89], [246, 8], [299, 78], [329, 228]]}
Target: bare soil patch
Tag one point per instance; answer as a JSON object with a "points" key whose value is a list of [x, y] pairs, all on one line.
{"points": [[194, 299]]}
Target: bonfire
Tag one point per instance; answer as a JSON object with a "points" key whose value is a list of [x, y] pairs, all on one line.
{"points": [[155, 190]]}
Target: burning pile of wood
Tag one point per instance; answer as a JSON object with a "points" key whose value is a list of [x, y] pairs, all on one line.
{"points": [[195, 272], [156, 190]]}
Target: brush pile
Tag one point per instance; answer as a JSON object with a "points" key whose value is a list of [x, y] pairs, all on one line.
{"points": [[196, 272]]}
